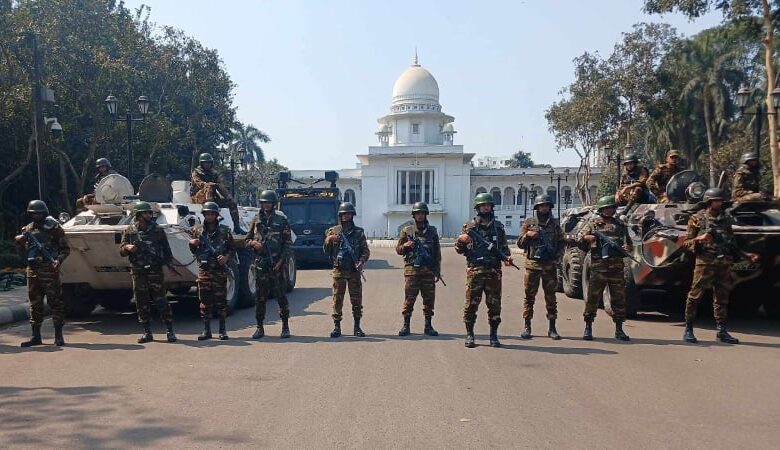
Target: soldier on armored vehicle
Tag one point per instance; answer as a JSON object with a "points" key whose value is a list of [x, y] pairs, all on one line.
{"points": [[746, 181], [633, 184], [208, 186], [102, 169], [661, 175]]}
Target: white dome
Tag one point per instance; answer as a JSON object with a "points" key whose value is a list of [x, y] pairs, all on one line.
{"points": [[416, 84]]}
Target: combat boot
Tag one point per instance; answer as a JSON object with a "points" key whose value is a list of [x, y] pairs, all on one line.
{"points": [[206, 331], [59, 339], [688, 336], [169, 334], [552, 333], [336, 329], [358, 332], [619, 333], [285, 329], [724, 336], [404, 331], [36, 337], [147, 336], [223, 336], [494, 342], [259, 332], [429, 330], [470, 335], [526, 334], [588, 333]]}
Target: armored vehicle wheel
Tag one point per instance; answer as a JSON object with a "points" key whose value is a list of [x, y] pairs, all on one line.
{"points": [[772, 305], [291, 275], [571, 272], [78, 299], [633, 295], [585, 278], [115, 300], [232, 287], [246, 280]]}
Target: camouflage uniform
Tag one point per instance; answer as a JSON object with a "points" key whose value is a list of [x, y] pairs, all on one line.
{"points": [[42, 279], [746, 185], [347, 278], [212, 278], [636, 177], [605, 272], [421, 279], [483, 273], [273, 231], [659, 178], [537, 270], [201, 192], [147, 268]]}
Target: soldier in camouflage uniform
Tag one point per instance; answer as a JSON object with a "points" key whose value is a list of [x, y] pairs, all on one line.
{"points": [[661, 175], [208, 186], [43, 269], [422, 267], [483, 273], [103, 169], [213, 245], [746, 181], [606, 271], [271, 238], [633, 183], [711, 239], [540, 262], [145, 244], [347, 267]]}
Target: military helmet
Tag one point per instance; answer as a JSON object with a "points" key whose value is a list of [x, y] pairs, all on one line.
{"points": [[420, 207], [347, 207], [141, 207], [747, 157], [607, 201], [714, 194], [37, 206], [210, 207], [205, 157], [483, 198], [543, 200], [268, 196], [102, 162], [673, 152], [631, 157]]}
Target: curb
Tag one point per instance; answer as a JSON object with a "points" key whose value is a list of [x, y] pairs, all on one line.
{"points": [[14, 313]]}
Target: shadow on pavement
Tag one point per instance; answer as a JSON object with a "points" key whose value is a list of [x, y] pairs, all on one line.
{"points": [[555, 350], [274, 339], [375, 264]]}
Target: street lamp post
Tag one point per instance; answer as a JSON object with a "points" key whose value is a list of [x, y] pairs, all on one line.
{"points": [[143, 107], [558, 191], [743, 96], [231, 151], [522, 189]]}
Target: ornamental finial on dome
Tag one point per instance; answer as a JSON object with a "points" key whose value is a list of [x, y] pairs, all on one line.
{"points": [[416, 59]]}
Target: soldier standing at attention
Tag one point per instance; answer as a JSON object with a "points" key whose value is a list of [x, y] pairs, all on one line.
{"points": [[746, 181], [633, 183], [347, 266], [483, 273], [208, 186], [42, 243], [419, 245], [606, 269], [661, 175], [711, 239], [213, 244], [542, 239], [103, 169], [270, 237], [144, 242]]}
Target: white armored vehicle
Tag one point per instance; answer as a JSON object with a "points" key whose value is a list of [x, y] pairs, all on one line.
{"points": [[95, 273]]}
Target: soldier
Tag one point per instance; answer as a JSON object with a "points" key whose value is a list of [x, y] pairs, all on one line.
{"points": [[542, 239], [746, 181], [270, 237], [606, 269], [662, 173], [419, 245], [213, 244], [103, 169], [144, 242], [346, 245], [633, 183], [483, 273], [207, 186], [42, 243], [711, 239]]}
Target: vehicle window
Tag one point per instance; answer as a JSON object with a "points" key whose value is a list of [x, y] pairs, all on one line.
{"points": [[322, 213], [296, 213]]}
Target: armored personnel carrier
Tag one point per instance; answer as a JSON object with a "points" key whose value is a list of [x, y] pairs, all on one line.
{"points": [[95, 273]]}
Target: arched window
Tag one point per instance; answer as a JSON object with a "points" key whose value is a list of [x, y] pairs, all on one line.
{"points": [[567, 196], [553, 194], [480, 190], [509, 196], [496, 193], [349, 196]]}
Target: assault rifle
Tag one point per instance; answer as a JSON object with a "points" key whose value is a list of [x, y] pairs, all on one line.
{"points": [[146, 255], [490, 246], [266, 263], [723, 244], [547, 251], [608, 247], [423, 257], [207, 254], [34, 247], [346, 246]]}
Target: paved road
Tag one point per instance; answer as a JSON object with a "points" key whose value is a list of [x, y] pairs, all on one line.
{"points": [[103, 390]]}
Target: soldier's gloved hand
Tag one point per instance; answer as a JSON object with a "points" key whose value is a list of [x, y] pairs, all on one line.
{"points": [[55, 265], [753, 257], [465, 239], [508, 261], [278, 266], [20, 239], [532, 234], [707, 237], [130, 248], [195, 242], [334, 238], [589, 238], [359, 266], [222, 260], [409, 245], [257, 245]]}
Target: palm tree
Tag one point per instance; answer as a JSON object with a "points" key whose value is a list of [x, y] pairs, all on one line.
{"points": [[249, 138]]}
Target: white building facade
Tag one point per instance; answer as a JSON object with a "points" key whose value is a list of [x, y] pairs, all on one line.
{"points": [[416, 159]]}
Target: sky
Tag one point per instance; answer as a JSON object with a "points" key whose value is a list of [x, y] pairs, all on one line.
{"points": [[316, 75]]}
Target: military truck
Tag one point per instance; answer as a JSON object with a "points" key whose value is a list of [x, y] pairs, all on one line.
{"points": [[310, 210], [95, 273]]}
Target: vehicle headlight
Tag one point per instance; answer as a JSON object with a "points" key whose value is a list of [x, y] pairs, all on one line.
{"points": [[696, 190]]}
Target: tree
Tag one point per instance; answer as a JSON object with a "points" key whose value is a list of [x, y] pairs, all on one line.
{"points": [[521, 159], [255, 178], [249, 137]]}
